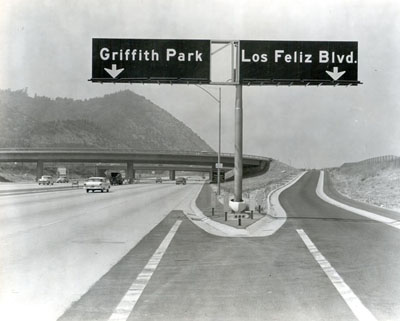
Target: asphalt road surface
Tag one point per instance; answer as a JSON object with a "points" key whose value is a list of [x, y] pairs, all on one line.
{"points": [[204, 277], [55, 245], [325, 263]]}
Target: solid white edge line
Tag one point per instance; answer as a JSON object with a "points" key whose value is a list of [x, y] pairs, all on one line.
{"points": [[128, 302], [354, 303], [379, 218]]}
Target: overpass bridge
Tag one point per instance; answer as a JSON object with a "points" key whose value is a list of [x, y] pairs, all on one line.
{"points": [[152, 159]]}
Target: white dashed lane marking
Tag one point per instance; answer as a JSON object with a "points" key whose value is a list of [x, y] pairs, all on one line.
{"points": [[354, 303]]}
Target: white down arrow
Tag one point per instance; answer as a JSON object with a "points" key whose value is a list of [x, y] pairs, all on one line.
{"points": [[335, 74], [114, 72]]}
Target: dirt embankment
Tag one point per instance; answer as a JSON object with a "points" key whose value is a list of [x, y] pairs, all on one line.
{"points": [[376, 183], [277, 175]]}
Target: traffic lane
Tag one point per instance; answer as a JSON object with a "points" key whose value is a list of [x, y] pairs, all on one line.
{"points": [[45, 269], [47, 262], [24, 212], [204, 277], [365, 253], [35, 219], [99, 302]]}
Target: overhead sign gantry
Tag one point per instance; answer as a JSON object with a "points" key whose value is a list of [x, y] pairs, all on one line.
{"points": [[254, 62], [260, 62]]}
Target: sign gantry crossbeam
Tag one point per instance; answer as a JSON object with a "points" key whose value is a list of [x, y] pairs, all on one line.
{"points": [[253, 62]]}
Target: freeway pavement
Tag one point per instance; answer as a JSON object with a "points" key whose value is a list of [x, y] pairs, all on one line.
{"points": [[55, 245], [324, 263]]}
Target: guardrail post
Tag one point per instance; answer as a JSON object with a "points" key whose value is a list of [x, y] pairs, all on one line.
{"points": [[226, 206], [213, 202]]}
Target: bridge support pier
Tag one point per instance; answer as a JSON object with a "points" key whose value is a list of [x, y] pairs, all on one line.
{"points": [[172, 175], [212, 174], [39, 169], [100, 172], [130, 172]]}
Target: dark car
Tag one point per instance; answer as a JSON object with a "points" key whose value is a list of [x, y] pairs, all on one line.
{"points": [[180, 180], [158, 180], [116, 179], [62, 179]]}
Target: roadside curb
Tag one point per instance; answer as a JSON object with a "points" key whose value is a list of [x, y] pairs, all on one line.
{"points": [[265, 226], [287, 184], [376, 217]]}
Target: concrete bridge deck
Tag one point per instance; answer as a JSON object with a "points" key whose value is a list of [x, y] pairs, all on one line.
{"points": [[130, 157]]}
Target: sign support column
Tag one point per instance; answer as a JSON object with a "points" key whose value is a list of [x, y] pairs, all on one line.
{"points": [[238, 170], [219, 143]]}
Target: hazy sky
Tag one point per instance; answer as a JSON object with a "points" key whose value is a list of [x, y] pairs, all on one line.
{"points": [[46, 46]]}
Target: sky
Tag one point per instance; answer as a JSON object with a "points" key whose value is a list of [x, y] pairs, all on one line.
{"points": [[45, 46]]}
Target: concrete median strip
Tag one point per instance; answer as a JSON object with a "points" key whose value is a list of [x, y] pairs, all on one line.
{"points": [[379, 218], [38, 190], [261, 228]]}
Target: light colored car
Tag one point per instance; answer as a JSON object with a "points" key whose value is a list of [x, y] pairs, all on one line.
{"points": [[46, 180], [97, 183]]}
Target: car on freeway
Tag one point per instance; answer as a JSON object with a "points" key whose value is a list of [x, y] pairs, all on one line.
{"points": [[62, 179], [46, 180], [97, 183], [158, 180], [180, 180]]}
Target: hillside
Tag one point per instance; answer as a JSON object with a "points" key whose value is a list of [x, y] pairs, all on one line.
{"points": [[277, 172], [375, 181], [120, 120]]}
